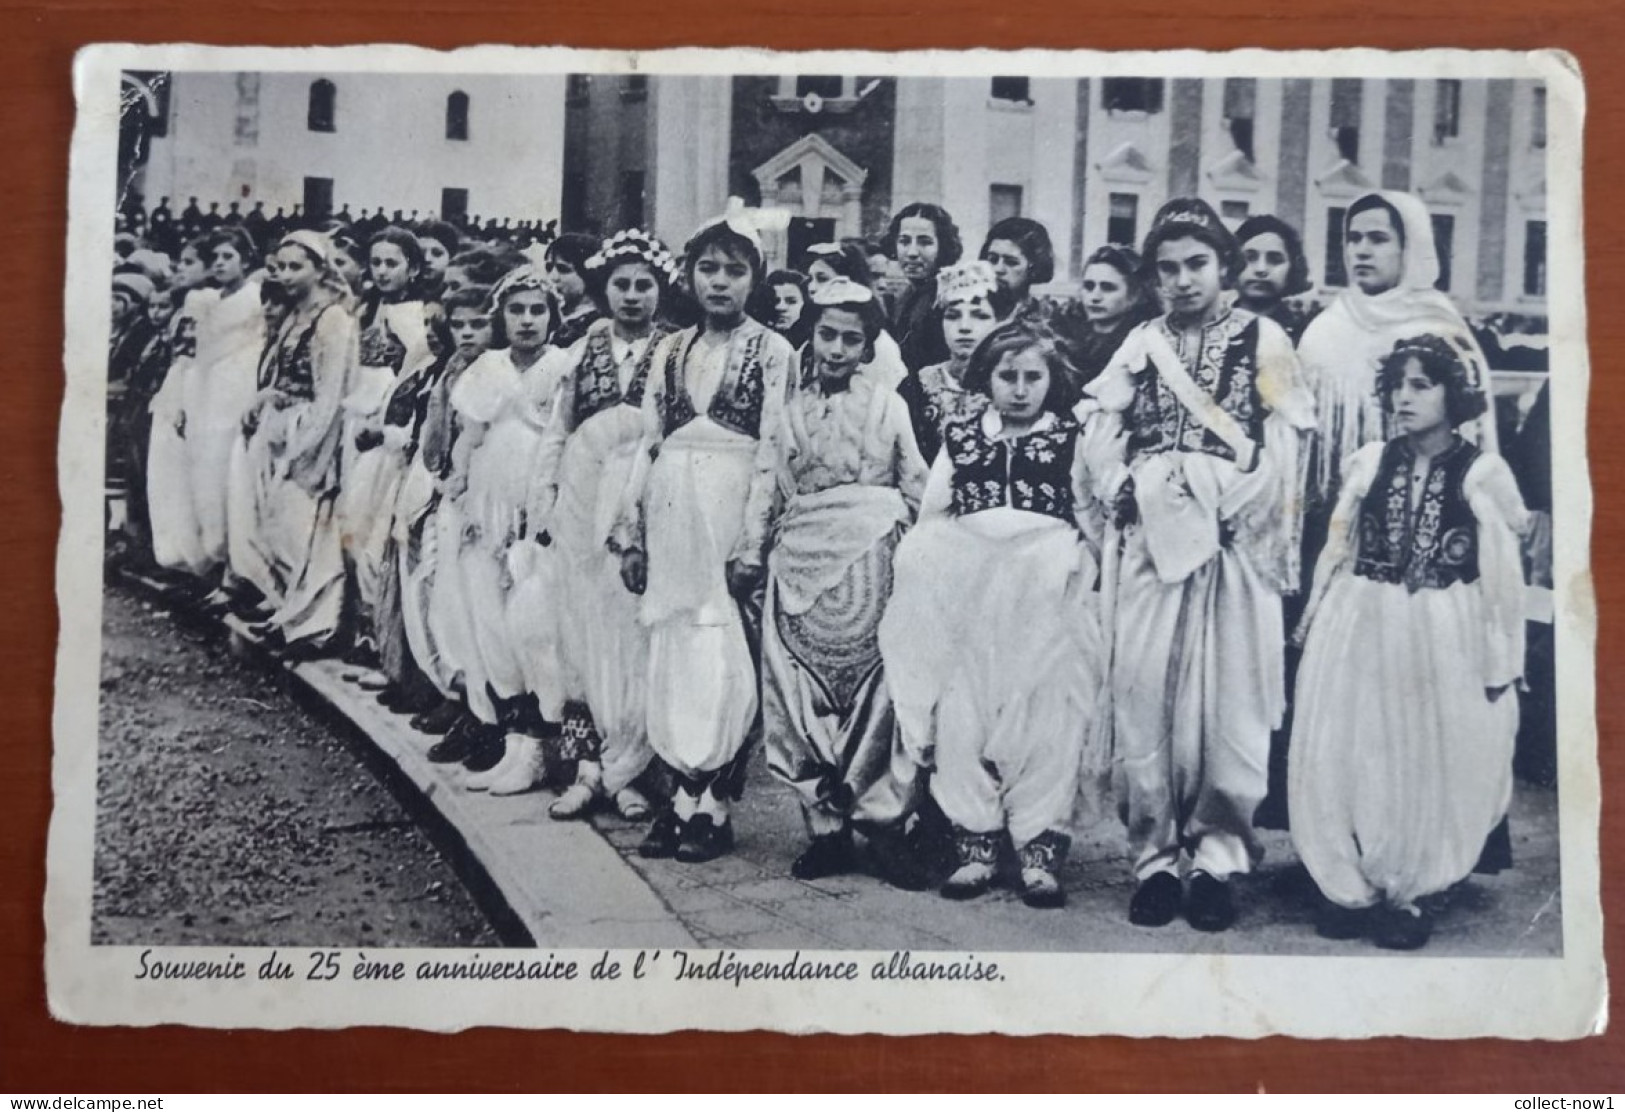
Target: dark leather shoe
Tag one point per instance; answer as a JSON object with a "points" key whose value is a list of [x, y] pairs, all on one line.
{"points": [[1341, 923], [665, 835], [1209, 906], [705, 840], [458, 742], [828, 855], [1398, 928], [490, 745], [1156, 901], [892, 856], [438, 720]]}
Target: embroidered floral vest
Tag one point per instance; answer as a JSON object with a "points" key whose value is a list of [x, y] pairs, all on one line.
{"points": [[1432, 547], [287, 365], [1225, 366], [598, 380], [380, 347], [1031, 472], [738, 401]]}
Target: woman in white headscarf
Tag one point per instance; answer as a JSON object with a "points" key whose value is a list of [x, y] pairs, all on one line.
{"points": [[1392, 265]]}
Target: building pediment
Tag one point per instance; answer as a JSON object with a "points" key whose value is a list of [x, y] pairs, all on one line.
{"points": [[1448, 187], [1235, 172], [1126, 163], [810, 150], [1344, 179]]}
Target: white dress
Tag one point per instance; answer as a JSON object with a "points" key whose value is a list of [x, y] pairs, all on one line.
{"points": [[594, 431], [171, 508], [1401, 764], [231, 338], [992, 639], [504, 414], [699, 496]]}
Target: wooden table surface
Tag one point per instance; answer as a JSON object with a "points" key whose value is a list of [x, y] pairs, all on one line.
{"points": [[38, 1055]]}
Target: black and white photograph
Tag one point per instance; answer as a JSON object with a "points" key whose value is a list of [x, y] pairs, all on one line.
{"points": [[1028, 542]]}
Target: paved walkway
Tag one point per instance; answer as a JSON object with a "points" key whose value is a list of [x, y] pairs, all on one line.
{"points": [[582, 884]]}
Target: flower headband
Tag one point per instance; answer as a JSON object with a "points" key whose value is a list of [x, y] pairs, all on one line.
{"points": [[634, 245], [967, 281], [518, 280]]}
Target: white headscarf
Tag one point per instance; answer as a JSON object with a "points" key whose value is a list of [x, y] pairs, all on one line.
{"points": [[1343, 347]]}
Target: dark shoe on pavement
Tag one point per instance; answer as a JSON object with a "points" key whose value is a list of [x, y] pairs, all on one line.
{"points": [[665, 835], [892, 856], [1041, 861], [1402, 928], [438, 720], [704, 839], [1341, 923], [1209, 905], [458, 742], [977, 855], [490, 746], [828, 855], [1156, 901]]}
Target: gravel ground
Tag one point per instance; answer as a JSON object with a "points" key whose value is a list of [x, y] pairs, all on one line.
{"points": [[227, 815]]}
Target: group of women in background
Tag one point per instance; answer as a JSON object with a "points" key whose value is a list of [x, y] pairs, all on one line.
{"points": [[599, 518]]}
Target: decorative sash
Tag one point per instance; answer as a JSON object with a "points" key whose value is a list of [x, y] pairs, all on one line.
{"points": [[1198, 402]]}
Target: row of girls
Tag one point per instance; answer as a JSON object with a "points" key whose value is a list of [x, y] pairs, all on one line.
{"points": [[964, 577]]}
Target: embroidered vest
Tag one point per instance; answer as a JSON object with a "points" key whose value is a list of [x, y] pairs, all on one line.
{"points": [[287, 366], [598, 379], [1226, 367], [737, 404], [1031, 472], [1435, 545]]}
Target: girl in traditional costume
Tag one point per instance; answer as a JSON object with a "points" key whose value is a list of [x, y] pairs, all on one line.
{"points": [[850, 485], [566, 259], [936, 395], [1405, 723], [394, 348], [1115, 299], [992, 639], [502, 406], [692, 538], [177, 532], [294, 446], [825, 262], [1205, 542], [595, 429]]}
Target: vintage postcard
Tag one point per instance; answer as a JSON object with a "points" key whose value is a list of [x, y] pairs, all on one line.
{"points": [[1022, 542]]}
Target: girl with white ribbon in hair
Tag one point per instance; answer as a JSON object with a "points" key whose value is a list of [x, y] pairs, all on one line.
{"points": [[849, 488], [294, 435], [692, 535], [593, 436], [1405, 723]]}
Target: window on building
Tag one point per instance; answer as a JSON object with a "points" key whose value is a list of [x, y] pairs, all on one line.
{"points": [[1446, 110], [1534, 258], [1240, 109], [457, 116], [1131, 94], [1345, 117], [635, 87], [322, 111], [573, 201], [1537, 125], [827, 88], [1336, 273], [1003, 201], [576, 88], [318, 198], [1123, 219], [631, 199], [1234, 212], [1015, 89], [454, 205], [1444, 239]]}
